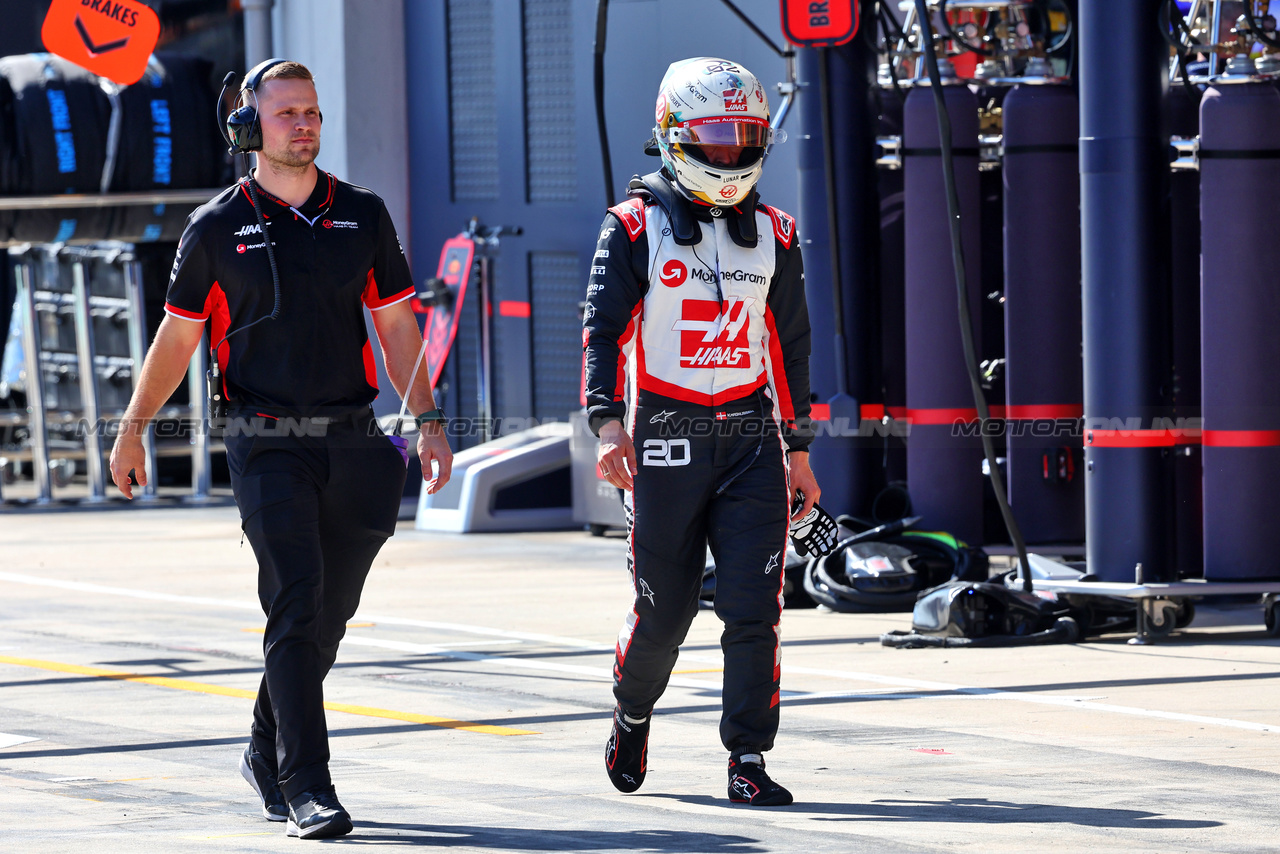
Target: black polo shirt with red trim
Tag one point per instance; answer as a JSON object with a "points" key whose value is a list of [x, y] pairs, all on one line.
{"points": [[335, 254]]}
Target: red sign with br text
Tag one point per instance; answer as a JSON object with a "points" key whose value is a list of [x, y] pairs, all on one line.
{"points": [[111, 38], [819, 23]]}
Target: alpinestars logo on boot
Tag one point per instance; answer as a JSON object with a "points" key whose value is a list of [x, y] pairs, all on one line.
{"points": [[710, 338]]}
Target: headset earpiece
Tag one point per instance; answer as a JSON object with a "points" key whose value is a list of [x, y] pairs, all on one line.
{"points": [[243, 127], [244, 130]]}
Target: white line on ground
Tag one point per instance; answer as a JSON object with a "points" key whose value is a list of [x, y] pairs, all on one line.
{"points": [[9, 740], [86, 587], [603, 674], [588, 646]]}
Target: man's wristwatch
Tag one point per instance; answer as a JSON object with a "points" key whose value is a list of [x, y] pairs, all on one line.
{"points": [[436, 414]]}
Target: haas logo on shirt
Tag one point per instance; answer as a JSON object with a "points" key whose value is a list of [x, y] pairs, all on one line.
{"points": [[710, 338]]}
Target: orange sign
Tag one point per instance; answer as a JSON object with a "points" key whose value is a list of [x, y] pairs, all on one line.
{"points": [[819, 23], [111, 38]]}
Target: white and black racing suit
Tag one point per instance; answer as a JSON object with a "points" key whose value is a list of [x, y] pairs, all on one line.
{"points": [[701, 312]]}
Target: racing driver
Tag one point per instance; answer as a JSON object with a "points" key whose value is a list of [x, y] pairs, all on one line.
{"points": [[696, 305]]}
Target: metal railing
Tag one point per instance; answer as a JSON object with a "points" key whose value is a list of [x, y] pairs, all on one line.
{"points": [[37, 295]]}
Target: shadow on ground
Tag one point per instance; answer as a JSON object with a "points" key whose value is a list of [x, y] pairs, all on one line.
{"points": [[536, 839], [977, 811]]}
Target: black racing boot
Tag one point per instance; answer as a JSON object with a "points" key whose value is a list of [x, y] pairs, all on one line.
{"points": [[626, 753], [254, 769], [317, 815], [749, 784]]}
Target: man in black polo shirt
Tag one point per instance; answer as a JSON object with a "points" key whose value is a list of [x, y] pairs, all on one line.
{"points": [[317, 483]]}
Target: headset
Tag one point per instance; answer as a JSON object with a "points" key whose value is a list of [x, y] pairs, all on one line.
{"points": [[242, 131], [243, 127]]}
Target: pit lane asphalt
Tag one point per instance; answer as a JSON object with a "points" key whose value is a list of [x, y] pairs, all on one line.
{"points": [[471, 702]]}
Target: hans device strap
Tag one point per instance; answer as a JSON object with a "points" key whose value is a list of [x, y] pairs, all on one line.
{"points": [[244, 130]]}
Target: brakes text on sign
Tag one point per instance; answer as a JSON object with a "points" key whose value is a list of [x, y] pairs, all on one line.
{"points": [[111, 38], [819, 23]]}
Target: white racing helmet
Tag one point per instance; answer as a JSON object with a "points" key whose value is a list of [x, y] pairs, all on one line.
{"points": [[709, 101]]}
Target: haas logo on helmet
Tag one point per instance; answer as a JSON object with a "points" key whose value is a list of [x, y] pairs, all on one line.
{"points": [[735, 101], [674, 273]]}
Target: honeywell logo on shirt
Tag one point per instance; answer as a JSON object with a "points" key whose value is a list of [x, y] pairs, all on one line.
{"points": [[711, 338]]}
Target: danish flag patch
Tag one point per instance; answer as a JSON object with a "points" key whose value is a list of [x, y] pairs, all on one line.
{"points": [[784, 225], [631, 214]]}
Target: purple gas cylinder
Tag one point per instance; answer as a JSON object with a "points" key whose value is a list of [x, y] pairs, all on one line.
{"points": [[1239, 319], [944, 452], [1044, 390]]}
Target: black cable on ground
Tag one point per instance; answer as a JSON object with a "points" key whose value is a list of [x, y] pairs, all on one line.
{"points": [[962, 291], [1065, 630]]}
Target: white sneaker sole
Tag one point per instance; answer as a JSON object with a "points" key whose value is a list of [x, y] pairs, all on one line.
{"points": [[320, 830], [247, 773]]}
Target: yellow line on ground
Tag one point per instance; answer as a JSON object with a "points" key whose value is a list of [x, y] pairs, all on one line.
{"points": [[206, 688]]}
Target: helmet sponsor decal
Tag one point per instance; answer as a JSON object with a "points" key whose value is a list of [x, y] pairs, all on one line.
{"points": [[674, 273], [735, 100], [660, 112], [717, 65], [728, 191]]}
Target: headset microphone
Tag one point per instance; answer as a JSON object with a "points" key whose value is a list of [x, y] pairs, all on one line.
{"points": [[222, 130]]}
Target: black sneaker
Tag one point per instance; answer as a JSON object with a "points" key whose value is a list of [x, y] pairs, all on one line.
{"points": [[253, 767], [626, 753], [317, 815], [749, 784]]}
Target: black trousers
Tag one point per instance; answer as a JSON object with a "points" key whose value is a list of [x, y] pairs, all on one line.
{"points": [[316, 508], [708, 476]]}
